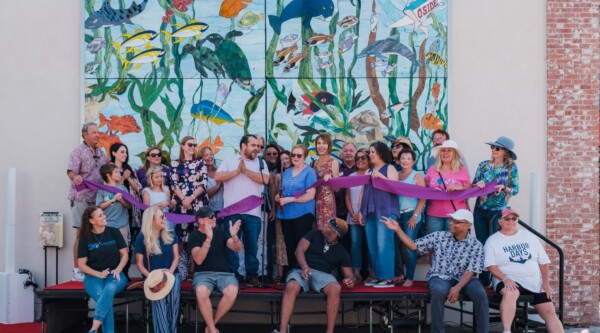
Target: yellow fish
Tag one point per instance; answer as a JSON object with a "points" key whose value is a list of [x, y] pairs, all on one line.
{"points": [[194, 29], [138, 39], [436, 59], [151, 55]]}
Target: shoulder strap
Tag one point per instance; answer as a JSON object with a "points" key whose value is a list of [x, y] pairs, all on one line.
{"points": [[444, 183]]}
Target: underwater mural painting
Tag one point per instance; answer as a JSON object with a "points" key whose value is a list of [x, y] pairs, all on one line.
{"points": [[362, 70]]}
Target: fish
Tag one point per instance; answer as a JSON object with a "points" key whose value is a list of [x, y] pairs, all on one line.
{"points": [[348, 21], [107, 140], [306, 106], [231, 8], [399, 106], [193, 29], [138, 39], [430, 105], [380, 62], [91, 66], [305, 9], [431, 122], [387, 46], [223, 90], [213, 145], [249, 19], [144, 57], [435, 46], [289, 39], [347, 43], [435, 90], [318, 39], [281, 55], [107, 16], [374, 20], [385, 114], [435, 58], [324, 54], [123, 124], [294, 61], [208, 111], [325, 65], [389, 69], [96, 45]]}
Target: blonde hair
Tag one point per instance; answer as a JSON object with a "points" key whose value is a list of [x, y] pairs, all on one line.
{"points": [[150, 239], [151, 184], [455, 164]]}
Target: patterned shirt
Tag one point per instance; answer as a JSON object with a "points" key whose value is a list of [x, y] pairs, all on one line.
{"points": [[487, 172], [451, 257], [87, 164]]}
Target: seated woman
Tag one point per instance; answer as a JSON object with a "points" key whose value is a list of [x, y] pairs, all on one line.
{"points": [[157, 248], [102, 254], [519, 266]]}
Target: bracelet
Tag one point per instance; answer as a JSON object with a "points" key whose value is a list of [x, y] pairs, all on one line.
{"points": [[416, 215]]}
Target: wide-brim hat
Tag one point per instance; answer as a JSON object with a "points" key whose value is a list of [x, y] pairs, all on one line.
{"points": [[447, 144], [506, 143], [158, 284], [462, 215]]}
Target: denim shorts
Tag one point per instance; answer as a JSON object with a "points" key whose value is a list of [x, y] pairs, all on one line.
{"points": [[315, 282], [214, 280]]}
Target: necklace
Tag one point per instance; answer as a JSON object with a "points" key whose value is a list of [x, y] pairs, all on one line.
{"points": [[98, 241], [327, 245]]}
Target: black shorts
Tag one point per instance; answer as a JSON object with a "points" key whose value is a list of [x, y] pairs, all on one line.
{"points": [[538, 298]]}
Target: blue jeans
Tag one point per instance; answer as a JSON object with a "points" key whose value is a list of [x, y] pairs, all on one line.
{"points": [[484, 228], [356, 236], [249, 231], [411, 255], [435, 223], [102, 291], [380, 241], [474, 291]]}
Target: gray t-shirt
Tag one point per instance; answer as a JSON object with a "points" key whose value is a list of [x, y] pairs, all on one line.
{"points": [[116, 214]]}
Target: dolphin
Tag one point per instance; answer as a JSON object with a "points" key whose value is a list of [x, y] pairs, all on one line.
{"points": [[306, 9], [387, 46]]}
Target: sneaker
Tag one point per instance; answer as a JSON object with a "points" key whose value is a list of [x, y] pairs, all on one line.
{"points": [[92, 331], [77, 275], [370, 282], [274, 331], [384, 284]]}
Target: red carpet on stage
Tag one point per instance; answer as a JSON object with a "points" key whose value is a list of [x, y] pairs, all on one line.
{"points": [[21, 328]]}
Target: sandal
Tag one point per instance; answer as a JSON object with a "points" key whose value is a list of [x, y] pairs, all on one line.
{"points": [[398, 279]]}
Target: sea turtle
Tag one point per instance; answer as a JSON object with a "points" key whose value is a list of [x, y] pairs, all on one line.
{"points": [[205, 59], [233, 58]]}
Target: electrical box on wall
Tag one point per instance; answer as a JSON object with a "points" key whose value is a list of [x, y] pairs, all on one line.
{"points": [[16, 301]]}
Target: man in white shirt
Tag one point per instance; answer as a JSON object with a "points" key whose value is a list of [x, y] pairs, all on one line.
{"points": [[242, 176]]}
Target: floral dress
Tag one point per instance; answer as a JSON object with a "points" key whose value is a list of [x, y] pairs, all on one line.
{"points": [[187, 177], [325, 197]]}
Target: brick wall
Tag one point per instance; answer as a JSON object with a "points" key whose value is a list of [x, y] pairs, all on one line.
{"points": [[573, 55]]}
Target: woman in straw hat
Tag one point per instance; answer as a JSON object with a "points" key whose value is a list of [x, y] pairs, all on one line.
{"points": [[157, 257], [501, 168]]}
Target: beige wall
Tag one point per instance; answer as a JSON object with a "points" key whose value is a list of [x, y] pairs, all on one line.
{"points": [[498, 77]]}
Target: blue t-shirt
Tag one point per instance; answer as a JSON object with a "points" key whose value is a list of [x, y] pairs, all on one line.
{"points": [[117, 215], [291, 184], [157, 261]]}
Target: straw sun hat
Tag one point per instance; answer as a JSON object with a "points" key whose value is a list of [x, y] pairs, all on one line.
{"points": [[158, 284]]}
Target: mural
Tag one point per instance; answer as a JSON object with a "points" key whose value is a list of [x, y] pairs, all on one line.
{"points": [[362, 70]]}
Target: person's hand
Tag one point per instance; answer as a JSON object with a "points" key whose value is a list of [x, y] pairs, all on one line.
{"points": [[327, 177], [163, 204], [389, 223], [208, 231], [509, 284], [242, 166], [361, 219], [126, 174], [234, 227], [118, 197], [500, 188], [172, 204], [349, 282], [187, 202], [453, 294], [451, 188], [376, 174], [286, 200], [77, 180], [104, 273], [547, 289], [480, 184], [306, 272], [116, 273], [412, 223], [355, 218], [272, 215]]}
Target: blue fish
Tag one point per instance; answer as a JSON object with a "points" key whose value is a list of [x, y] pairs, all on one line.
{"points": [[107, 15], [209, 111], [306, 9]]}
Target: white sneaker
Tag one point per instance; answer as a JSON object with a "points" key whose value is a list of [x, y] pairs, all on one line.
{"points": [[77, 275]]}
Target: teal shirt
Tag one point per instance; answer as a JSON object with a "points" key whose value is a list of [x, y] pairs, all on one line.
{"points": [[509, 178]]}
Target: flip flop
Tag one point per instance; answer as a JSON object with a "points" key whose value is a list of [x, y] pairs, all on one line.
{"points": [[399, 279]]}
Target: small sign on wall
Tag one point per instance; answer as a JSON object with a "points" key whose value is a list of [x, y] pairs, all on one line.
{"points": [[51, 229]]}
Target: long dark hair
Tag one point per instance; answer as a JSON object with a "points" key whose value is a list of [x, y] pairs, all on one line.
{"points": [[383, 151], [86, 226], [113, 149], [278, 165]]}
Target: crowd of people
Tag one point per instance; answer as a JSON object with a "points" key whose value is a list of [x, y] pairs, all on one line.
{"points": [[297, 236]]}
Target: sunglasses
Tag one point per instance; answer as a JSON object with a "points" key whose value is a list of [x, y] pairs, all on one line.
{"points": [[457, 221], [211, 216], [154, 155], [192, 145], [496, 148], [162, 217], [361, 158], [271, 154], [510, 219], [296, 155]]}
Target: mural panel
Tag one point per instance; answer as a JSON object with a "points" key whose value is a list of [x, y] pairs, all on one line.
{"points": [[157, 70]]}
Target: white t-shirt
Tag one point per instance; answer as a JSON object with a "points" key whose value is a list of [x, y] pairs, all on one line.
{"points": [[241, 186], [518, 257], [354, 197]]}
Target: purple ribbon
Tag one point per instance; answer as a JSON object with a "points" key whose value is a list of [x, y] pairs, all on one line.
{"points": [[403, 189], [239, 207]]}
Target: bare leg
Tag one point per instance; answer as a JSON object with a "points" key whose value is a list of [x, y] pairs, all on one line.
{"points": [[75, 246], [226, 302], [205, 306], [96, 324], [292, 289], [332, 290], [547, 312], [508, 307]]}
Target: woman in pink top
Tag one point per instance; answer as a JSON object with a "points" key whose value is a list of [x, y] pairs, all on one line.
{"points": [[447, 174]]}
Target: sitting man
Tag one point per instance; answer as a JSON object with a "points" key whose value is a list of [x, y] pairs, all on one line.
{"points": [[457, 259], [318, 254], [207, 246]]}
